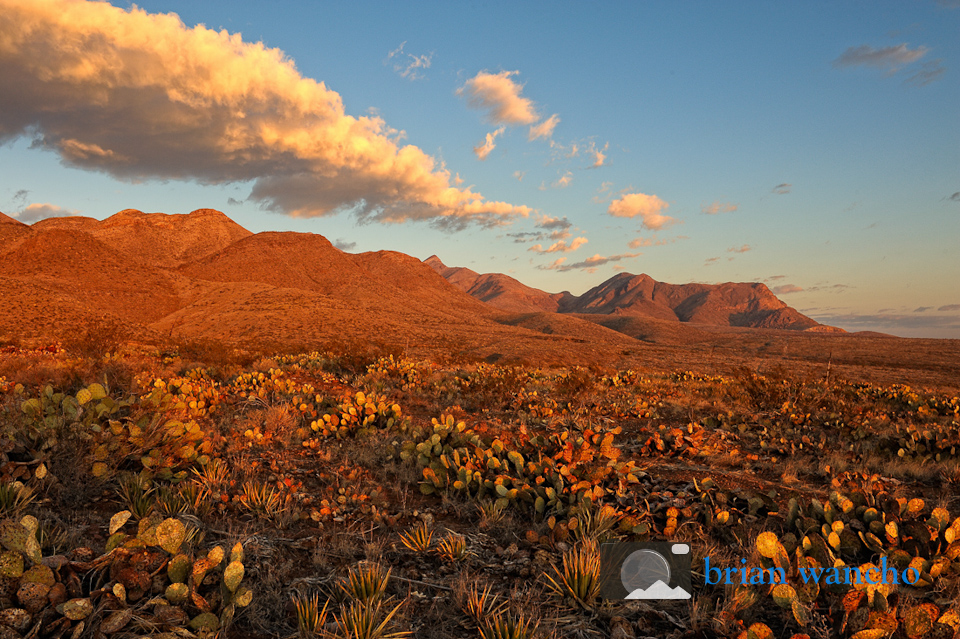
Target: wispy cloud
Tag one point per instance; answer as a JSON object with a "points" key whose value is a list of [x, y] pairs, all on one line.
{"points": [[37, 212], [950, 307], [785, 289], [590, 264], [646, 207], [140, 96], [782, 189], [545, 128], [928, 72], [599, 155], [560, 247], [519, 175], [484, 149], [408, 65], [499, 96], [718, 207], [955, 197], [739, 249], [563, 181], [922, 309], [889, 59]]}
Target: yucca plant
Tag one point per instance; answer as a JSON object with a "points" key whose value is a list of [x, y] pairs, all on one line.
{"points": [[136, 491], [262, 500], [14, 498], [311, 618], [491, 512], [366, 582], [594, 523], [214, 475], [368, 620], [453, 547], [169, 501], [419, 539], [504, 625], [580, 578], [479, 605]]}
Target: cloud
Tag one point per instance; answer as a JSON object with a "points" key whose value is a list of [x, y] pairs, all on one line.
{"points": [[408, 65], [544, 129], [955, 197], [484, 149], [719, 207], [499, 96], [950, 307], [739, 249], [782, 189], [37, 212], [560, 247], [599, 155], [917, 325], [922, 309], [590, 264], [889, 59], [647, 207], [928, 72], [554, 223], [141, 96], [785, 289], [344, 245], [710, 261], [640, 242], [519, 175], [563, 181]]}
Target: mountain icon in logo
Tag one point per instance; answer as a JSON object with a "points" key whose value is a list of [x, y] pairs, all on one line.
{"points": [[659, 590]]}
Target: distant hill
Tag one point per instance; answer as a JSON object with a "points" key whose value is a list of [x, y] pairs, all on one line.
{"points": [[750, 305]]}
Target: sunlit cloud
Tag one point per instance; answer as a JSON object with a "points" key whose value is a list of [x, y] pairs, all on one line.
{"points": [[785, 289], [739, 249], [889, 59], [408, 65], [647, 207], [141, 96], [36, 212], [499, 96], [545, 128], [484, 149], [719, 207], [560, 247], [519, 175], [590, 264], [599, 155], [782, 189], [563, 181]]}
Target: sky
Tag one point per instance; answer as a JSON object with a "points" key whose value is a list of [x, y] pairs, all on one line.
{"points": [[811, 146]]}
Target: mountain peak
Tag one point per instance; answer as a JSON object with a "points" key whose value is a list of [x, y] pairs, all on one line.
{"points": [[6, 219]]}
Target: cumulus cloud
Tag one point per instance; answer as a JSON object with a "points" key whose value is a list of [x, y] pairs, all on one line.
{"points": [[719, 207], [647, 207], [545, 128], [560, 247], [37, 212], [344, 245], [590, 264], [140, 96], [782, 189], [563, 181], [785, 289], [739, 249], [889, 59], [408, 65], [484, 149], [499, 96]]}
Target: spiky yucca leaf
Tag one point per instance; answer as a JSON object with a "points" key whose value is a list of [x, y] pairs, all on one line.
{"points": [[311, 618], [419, 539], [368, 620], [508, 626], [453, 547], [366, 582], [481, 604], [580, 578], [14, 498]]}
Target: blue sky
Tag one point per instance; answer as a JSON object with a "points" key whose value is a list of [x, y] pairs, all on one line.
{"points": [[813, 146]]}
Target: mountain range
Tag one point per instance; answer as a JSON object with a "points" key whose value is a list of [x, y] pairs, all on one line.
{"points": [[203, 276]]}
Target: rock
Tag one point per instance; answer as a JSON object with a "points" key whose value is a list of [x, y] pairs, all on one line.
{"points": [[620, 628]]}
